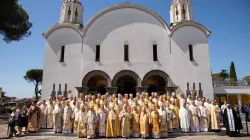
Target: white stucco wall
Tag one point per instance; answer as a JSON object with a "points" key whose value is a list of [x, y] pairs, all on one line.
{"points": [[112, 29], [140, 30], [67, 72], [185, 71]]}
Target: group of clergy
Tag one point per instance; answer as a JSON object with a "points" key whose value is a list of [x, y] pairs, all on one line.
{"points": [[126, 116]]}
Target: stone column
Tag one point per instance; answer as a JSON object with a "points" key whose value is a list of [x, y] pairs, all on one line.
{"points": [[53, 93], [111, 90], [141, 89], [239, 99], [83, 90]]}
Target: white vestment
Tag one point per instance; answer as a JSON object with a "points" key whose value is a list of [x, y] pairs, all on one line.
{"points": [[130, 102], [102, 117], [197, 102], [49, 113], [195, 113], [42, 122], [184, 115], [203, 119]]}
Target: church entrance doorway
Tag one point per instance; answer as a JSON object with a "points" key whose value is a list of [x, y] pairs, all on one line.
{"points": [[152, 88], [156, 84], [126, 85], [101, 89], [97, 84]]}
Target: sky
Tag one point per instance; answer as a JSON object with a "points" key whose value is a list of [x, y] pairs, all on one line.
{"points": [[228, 20]]}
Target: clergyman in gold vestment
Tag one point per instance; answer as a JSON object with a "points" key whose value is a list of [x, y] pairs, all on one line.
{"points": [[125, 118], [144, 123], [155, 121], [113, 125]]}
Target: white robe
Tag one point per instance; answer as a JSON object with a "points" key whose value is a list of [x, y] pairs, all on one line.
{"points": [[67, 119], [42, 122], [102, 117], [184, 115], [130, 102], [82, 118], [163, 122], [49, 113], [195, 113], [91, 124], [57, 119], [197, 102], [203, 119]]}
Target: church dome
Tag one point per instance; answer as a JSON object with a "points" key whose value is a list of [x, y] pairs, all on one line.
{"points": [[74, 1]]}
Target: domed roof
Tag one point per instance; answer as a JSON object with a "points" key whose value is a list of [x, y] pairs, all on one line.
{"points": [[74, 1]]}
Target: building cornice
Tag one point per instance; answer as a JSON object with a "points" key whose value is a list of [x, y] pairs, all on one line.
{"points": [[125, 5], [59, 26], [189, 23]]}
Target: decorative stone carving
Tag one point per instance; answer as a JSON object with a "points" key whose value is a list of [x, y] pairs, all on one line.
{"points": [[83, 90], [200, 91], [65, 93], [188, 90], [59, 92], [53, 93]]}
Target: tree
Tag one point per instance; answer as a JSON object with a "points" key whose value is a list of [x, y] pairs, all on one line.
{"points": [[247, 79], [224, 74], [233, 76], [216, 77], [14, 21], [35, 76]]}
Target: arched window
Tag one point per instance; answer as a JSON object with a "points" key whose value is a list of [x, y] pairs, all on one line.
{"points": [[191, 53], [126, 51], [62, 54], [176, 13], [155, 56], [184, 11], [97, 53], [69, 12], [76, 14]]}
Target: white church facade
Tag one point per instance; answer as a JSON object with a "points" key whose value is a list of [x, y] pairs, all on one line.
{"points": [[127, 48]]}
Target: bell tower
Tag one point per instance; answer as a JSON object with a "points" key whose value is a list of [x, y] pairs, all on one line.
{"points": [[72, 12], [181, 10]]}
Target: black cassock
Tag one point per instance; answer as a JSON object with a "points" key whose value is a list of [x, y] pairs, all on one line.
{"points": [[238, 122], [225, 117]]}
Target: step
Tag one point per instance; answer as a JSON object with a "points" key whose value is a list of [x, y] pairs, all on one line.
{"points": [[52, 134], [46, 130]]}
